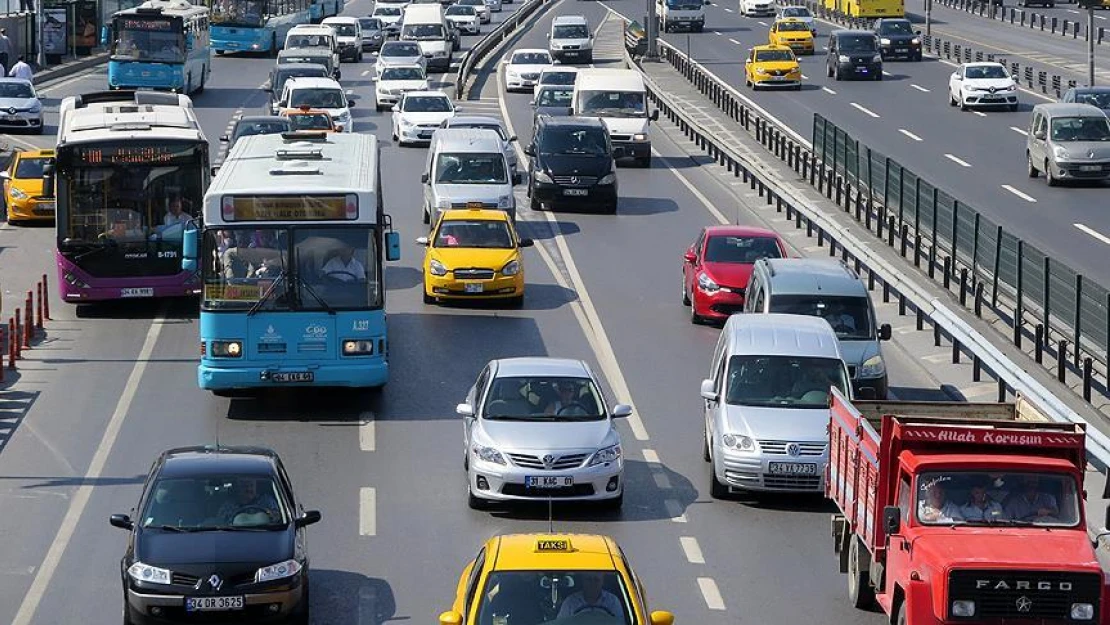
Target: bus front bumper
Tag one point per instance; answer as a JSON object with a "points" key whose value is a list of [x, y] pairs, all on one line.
{"points": [[368, 372]]}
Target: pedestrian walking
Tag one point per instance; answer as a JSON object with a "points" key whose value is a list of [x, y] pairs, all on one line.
{"points": [[5, 47], [22, 70]]}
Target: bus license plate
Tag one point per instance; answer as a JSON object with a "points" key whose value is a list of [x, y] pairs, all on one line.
{"points": [[209, 604], [793, 468], [293, 376], [474, 287], [549, 481], [137, 292]]}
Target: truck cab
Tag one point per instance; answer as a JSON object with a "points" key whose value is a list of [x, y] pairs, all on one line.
{"points": [[681, 15]]}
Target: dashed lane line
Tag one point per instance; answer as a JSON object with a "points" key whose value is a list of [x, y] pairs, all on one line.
{"points": [[1019, 131], [919, 88], [674, 510], [865, 110], [711, 593], [734, 41], [909, 134], [1095, 233], [980, 113], [957, 160], [651, 456], [1024, 196], [367, 514], [827, 90], [692, 550]]}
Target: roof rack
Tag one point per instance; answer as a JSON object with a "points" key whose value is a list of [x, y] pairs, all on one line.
{"points": [[312, 136]]}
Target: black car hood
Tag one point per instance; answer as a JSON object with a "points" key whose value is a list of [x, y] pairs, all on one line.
{"points": [[570, 165], [159, 548]]}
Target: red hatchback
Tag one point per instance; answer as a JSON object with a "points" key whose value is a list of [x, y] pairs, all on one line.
{"points": [[716, 268]]}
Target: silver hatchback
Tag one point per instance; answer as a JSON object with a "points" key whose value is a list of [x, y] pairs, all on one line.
{"points": [[1068, 142], [537, 429]]}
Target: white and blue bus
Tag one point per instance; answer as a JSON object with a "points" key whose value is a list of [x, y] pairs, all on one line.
{"points": [[255, 25], [290, 259], [321, 9], [162, 45]]}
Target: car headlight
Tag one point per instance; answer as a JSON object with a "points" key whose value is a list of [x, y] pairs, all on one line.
{"points": [[488, 454], [760, 70], [1012, 88], [227, 349], [915, 41], [512, 73], [707, 284], [505, 201], [543, 177], [1061, 153], [843, 58], [873, 367], [1082, 611], [36, 107], [639, 136], [884, 41], [437, 268], [608, 179], [511, 268], [151, 574], [878, 58], [355, 347], [17, 194], [281, 570], [963, 609], [738, 442], [606, 455]]}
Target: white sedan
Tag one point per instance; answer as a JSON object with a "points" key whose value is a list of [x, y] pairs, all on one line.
{"points": [[399, 53], [396, 81], [464, 17], [982, 84], [480, 6], [418, 114], [523, 67]]}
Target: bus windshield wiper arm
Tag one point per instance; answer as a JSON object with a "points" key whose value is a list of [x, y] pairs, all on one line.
{"points": [[323, 304], [266, 296]]}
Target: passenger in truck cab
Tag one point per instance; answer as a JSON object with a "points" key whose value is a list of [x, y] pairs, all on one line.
{"points": [[1033, 504], [980, 506], [934, 507]]}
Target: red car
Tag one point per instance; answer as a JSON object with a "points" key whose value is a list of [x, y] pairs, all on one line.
{"points": [[716, 268]]}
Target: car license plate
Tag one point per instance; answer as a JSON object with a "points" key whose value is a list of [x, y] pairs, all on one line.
{"points": [[578, 192], [793, 468], [552, 481], [426, 134], [209, 604], [778, 78], [901, 50], [1090, 168], [44, 207], [293, 376], [474, 287], [143, 292]]}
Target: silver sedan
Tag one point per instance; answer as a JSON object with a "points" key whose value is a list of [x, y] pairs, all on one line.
{"points": [[538, 428]]}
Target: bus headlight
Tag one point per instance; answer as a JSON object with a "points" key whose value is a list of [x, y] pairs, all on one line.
{"points": [[358, 348], [227, 349]]}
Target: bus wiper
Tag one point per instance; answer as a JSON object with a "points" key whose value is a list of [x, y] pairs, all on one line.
{"points": [[94, 248], [266, 296], [323, 304]]}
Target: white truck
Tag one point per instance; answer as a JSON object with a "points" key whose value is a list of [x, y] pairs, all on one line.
{"points": [[618, 97], [681, 15], [426, 25]]}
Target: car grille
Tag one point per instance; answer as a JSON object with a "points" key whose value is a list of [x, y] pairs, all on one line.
{"points": [[571, 47], [804, 449], [727, 309], [792, 482], [520, 490], [428, 126], [1053, 602], [531, 76], [182, 579], [778, 72], [575, 181], [621, 137], [473, 274], [570, 461]]}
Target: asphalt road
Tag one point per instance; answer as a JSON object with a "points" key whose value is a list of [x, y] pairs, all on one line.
{"points": [[98, 400], [978, 157]]}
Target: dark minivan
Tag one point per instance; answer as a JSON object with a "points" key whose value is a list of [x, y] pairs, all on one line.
{"points": [[854, 54], [572, 164], [898, 39], [217, 535], [284, 71]]}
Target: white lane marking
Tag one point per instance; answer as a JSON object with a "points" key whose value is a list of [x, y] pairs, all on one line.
{"points": [[718, 33], [762, 23], [674, 510], [909, 134], [727, 10], [661, 480], [957, 160], [980, 113], [1099, 17], [698, 194], [711, 593], [80, 499], [936, 359], [1073, 11], [1027, 198], [827, 90], [584, 311], [804, 77], [366, 72], [651, 456], [367, 515], [734, 41], [366, 432], [886, 73], [919, 88], [864, 109], [1019, 131], [692, 550], [1095, 233]]}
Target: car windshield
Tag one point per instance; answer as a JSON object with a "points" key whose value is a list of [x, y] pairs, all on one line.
{"points": [[577, 141], [684, 5], [311, 121], [427, 104], [30, 168], [556, 597], [302, 72], [994, 498], [858, 43], [471, 168], [793, 27], [1101, 99], [215, 502], [317, 98], [896, 28], [423, 31], [571, 31], [387, 11], [784, 381], [370, 23], [558, 78], [543, 398], [402, 73], [531, 58], [268, 127], [344, 30], [730, 249], [796, 12], [487, 234], [461, 9], [308, 41], [1092, 128], [612, 103], [850, 317], [399, 48], [494, 127], [555, 97], [16, 90], [986, 71], [765, 56], [323, 60]]}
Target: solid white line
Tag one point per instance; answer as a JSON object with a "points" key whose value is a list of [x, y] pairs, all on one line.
{"points": [[1095, 233], [1027, 198], [886, 73], [80, 499], [734, 41], [827, 90], [694, 190], [711, 594], [919, 88], [366, 72], [367, 519], [909, 134], [1099, 17], [651, 456], [1073, 11], [1019, 131], [864, 110], [957, 160], [692, 550], [674, 510], [366, 432]]}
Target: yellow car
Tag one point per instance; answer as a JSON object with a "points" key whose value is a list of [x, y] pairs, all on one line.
{"points": [[474, 254], [792, 33], [772, 66], [573, 579], [23, 187]]}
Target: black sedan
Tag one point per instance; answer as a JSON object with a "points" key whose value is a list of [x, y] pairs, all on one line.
{"points": [[219, 535], [898, 39], [553, 101], [256, 125]]}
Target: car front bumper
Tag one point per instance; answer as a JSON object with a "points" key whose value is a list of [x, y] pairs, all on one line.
{"points": [[1078, 170], [448, 287], [584, 55], [985, 98], [349, 52], [879, 385], [372, 45], [30, 209], [21, 120], [276, 605], [410, 134], [901, 51], [684, 24], [499, 482], [766, 11], [516, 81], [719, 304], [598, 197], [633, 149], [861, 70], [746, 471]]}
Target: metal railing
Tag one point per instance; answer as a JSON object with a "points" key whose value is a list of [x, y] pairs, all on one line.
{"points": [[491, 41], [1024, 17]]}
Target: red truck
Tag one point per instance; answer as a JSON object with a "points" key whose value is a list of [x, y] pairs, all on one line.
{"points": [[962, 513]]}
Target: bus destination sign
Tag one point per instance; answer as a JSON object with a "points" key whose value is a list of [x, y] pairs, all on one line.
{"points": [[160, 25], [290, 208]]}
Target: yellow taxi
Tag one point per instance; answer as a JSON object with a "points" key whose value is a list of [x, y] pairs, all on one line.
{"points": [[772, 66], [308, 119], [564, 579], [472, 254], [23, 187], [792, 33]]}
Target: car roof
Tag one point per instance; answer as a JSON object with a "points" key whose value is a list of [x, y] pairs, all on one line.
{"points": [[312, 28], [339, 19], [568, 19], [827, 276], [541, 365], [781, 335], [302, 51], [211, 460], [433, 92], [521, 552], [984, 64], [399, 44], [308, 82], [1091, 89], [403, 66], [259, 118], [1069, 109], [470, 214], [847, 32], [570, 69], [462, 120], [289, 67], [468, 140], [529, 50], [573, 122], [770, 46], [740, 231], [892, 19]]}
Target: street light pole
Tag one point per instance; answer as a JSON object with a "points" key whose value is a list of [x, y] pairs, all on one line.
{"points": [[652, 28], [40, 18], [1091, 46], [928, 18]]}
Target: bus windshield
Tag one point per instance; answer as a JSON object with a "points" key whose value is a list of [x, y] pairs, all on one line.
{"points": [[279, 268], [238, 12], [612, 104], [149, 40]]}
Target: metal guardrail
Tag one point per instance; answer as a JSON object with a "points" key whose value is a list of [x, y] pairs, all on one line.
{"points": [[891, 226], [1024, 17], [493, 38]]}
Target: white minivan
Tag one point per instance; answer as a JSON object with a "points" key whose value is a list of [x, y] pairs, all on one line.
{"points": [[467, 168], [426, 25], [313, 36], [570, 40], [348, 30], [619, 98]]}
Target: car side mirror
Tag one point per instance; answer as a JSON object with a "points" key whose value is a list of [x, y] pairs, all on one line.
{"points": [[505, 61], [526, 243], [1095, 542], [956, 76], [892, 520], [533, 103], [690, 256], [268, 89], [464, 410], [224, 138], [517, 178], [655, 115], [884, 332], [121, 521], [424, 178], [5, 175], [529, 151], [422, 240], [709, 390], [1040, 134], [661, 617], [621, 411], [307, 518], [450, 618]]}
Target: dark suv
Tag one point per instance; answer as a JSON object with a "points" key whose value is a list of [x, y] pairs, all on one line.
{"points": [[572, 164], [854, 53], [898, 39]]}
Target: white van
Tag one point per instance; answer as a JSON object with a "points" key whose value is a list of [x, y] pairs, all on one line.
{"points": [[426, 25], [570, 40], [467, 168], [313, 36], [681, 15], [348, 30], [619, 98], [767, 404]]}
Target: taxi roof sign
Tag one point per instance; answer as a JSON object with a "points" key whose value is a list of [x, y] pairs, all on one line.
{"points": [[547, 545]]}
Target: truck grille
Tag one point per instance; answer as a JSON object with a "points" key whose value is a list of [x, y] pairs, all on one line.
{"points": [[804, 449], [569, 461], [474, 274], [1024, 594]]}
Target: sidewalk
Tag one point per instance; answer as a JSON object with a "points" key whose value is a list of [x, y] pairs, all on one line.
{"points": [[70, 66]]}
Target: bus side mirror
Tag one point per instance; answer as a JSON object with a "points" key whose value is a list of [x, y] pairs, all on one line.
{"points": [[393, 246], [190, 238], [48, 180]]}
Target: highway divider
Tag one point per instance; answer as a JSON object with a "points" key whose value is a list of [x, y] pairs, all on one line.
{"points": [[471, 60], [1024, 17]]}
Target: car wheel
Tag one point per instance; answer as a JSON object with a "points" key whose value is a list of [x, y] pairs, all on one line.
{"points": [[685, 293], [1030, 168], [797, 87], [427, 216], [695, 318], [836, 73], [643, 162], [535, 204], [860, 592], [476, 503], [828, 70], [1049, 178], [879, 75], [515, 302], [951, 98], [717, 490], [614, 504], [1013, 108], [429, 299]]}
